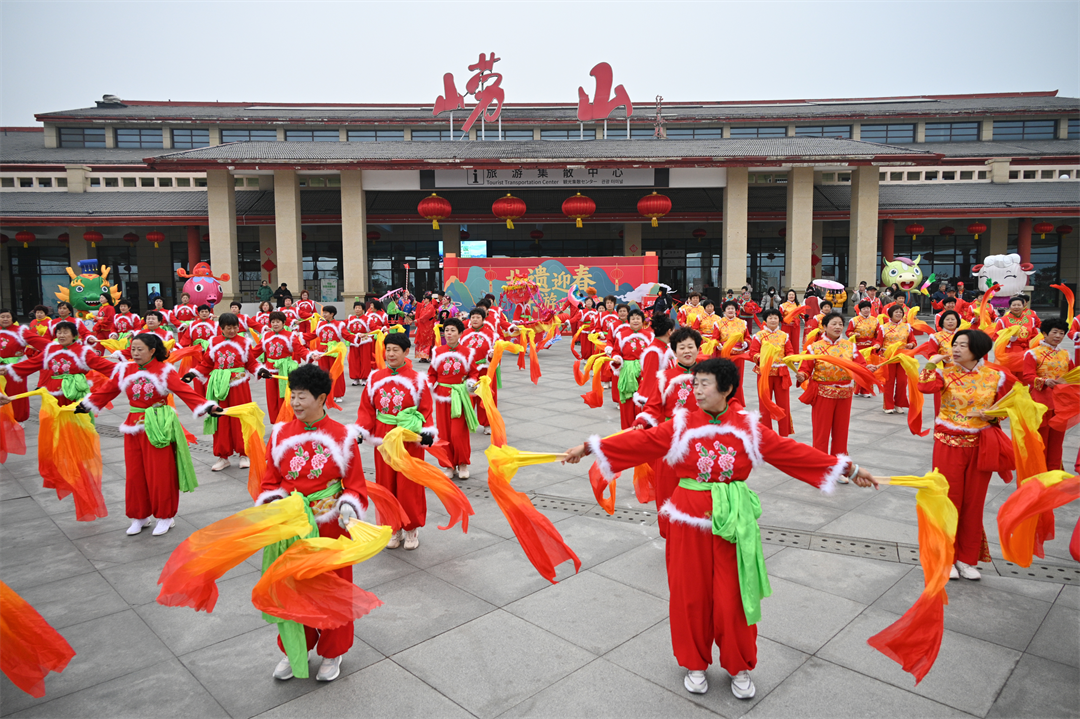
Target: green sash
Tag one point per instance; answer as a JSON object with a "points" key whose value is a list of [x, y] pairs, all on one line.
{"points": [[461, 404], [735, 509], [282, 368], [217, 389], [629, 379], [292, 633], [409, 418], [162, 427], [74, 386]]}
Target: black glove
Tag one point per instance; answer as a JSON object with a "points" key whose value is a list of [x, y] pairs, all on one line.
{"points": [[427, 440], [264, 373], [81, 409], [189, 377], [216, 411]]}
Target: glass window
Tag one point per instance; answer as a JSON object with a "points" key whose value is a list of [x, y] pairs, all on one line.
{"points": [[576, 134], [312, 135], [930, 176], [129, 182], [1074, 128], [896, 176], [7, 182], [34, 273], [952, 131], [823, 131], [694, 133], [1024, 129], [82, 137], [61, 182], [887, 133], [186, 139], [44, 182], [239, 182], [518, 135], [146, 181], [250, 277], [183, 182], [375, 135], [950, 175], [112, 182], [913, 176], [138, 137], [248, 135], [435, 135], [200, 182], [164, 182], [618, 132], [26, 182], [95, 182], [758, 132]]}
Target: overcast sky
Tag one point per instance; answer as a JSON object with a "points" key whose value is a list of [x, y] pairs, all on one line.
{"points": [[65, 55]]}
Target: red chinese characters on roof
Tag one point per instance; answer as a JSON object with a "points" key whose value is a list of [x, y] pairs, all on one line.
{"points": [[485, 86], [601, 107]]}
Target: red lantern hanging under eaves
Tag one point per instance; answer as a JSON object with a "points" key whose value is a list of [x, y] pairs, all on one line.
{"points": [[373, 236], [699, 233], [914, 230], [508, 208], [25, 237], [1042, 228], [131, 238], [654, 206], [434, 208], [4, 239], [463, 235], [155, 236], [1064, 229], [977, 228], [63, 237], [782, 232], [536, 235], [93, 237], [578, 208], [947, 231]]}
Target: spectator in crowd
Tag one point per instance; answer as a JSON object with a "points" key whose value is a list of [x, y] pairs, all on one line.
{"points": [[281, 294]]}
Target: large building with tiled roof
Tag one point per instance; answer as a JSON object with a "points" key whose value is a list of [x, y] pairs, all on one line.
{"points": [[326, 196]]}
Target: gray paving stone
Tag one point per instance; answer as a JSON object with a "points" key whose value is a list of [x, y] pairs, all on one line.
{"points": [[54, 601], [856, 524], [20, 509], [439, 545], [822, 689], [498, 574], [602, 689], [116, 546], [164, 690], [1069, 597], [804, 618], [856, 578], [643, 568], [493, 663], [137, 582], [416, 608], [1058, 638], [846, 497], [784, 512], [1043, 591], [1038, 688], [967, 674], [598, 540], [30, 533], [384, 567], [52, 562]]}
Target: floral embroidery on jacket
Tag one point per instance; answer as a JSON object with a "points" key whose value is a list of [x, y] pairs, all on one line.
{"points": [[720, 456]]}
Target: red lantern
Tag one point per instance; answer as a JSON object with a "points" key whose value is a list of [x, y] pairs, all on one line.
{"points": [[303, 237], [537, 235], [1064, 229], [63, 237], [4, 239], [434, 208], [578, 208], [93, 237], [463, 235], [1042, 228], [206, 237], [620, 234], [373, 236], [155, 237], [977, 228], [699, 233], [25, 237], [914, 230], [508, 208], [131, 238], [654, 206], [947, 231], [782, 232]]}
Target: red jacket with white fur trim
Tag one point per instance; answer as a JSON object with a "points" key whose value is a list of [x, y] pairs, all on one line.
{"points": [[225, 353], [655, 360], [451, 366], [724, 449], [389, 391], [306, 461], [55, 361], [145, 387], [674, 389]]}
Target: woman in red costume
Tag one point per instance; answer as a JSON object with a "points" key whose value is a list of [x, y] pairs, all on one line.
{"points": [[713, 518], [306, 307], [893, 332], [788, 306], [940, 343], [779, 375], [426, 313], [1044, 366], [830, 389]]}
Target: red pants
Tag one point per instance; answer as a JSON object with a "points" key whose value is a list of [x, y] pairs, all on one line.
{"points": [[355, 363], [967, 491], [152, 488], [628, 410], [830, 418], [409, 493], [895, 387], [20, 407], [666, 482], [792, 333], [481, 413], [325, 363], [1052, 440], [273, 400], [738, 396], [367, 359], [229, 438], [330, 642], [456, 434], [778, 388], [705, 606]]}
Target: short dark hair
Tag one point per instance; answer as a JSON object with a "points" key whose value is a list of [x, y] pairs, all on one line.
{"points": [[206, 307], [830, 317], [661, 324], [825, 302], [377, 305], [484, 302], [228, 320], [948, 300], [946, 313], [329, 309], [1018, 298], [155, 344], [732, 303], [454, 322], [358, 303], [6, 311], [871, 287], [312, 378], [490, 298], [123, 301], [693, 294], [40, 308], [155, 313], [979, 343], [610, 298], [398, 338], [769, 313], [70, 307], [234, 303], [623, 306], [1054, 324], [636, 312], [896, 308], [275, 315], [708, 302], [479, 311], [865, 303], [727, 377], [685, 333], [65, 325]]}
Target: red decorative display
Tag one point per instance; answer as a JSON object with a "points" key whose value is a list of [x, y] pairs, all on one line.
{"points": [[374, 236], [485, 86], [25, 237], [654, 206], [1064, 229], [463, 235], [131, 238], [601, 107], [434, 208], [699, 233], [269, 266], [947, 231], [1042, 228], [155, 237], [63, 237], [93, 237], [578, 208], [914, 230], [977, 228], [536, 235], [782, 232], [4, 239], [508, 208]]}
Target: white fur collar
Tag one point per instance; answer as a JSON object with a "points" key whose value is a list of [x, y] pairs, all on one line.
{"points": [[749, 432]]}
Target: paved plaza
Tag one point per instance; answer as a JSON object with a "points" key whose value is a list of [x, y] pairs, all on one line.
{"points": [[468, 627]]}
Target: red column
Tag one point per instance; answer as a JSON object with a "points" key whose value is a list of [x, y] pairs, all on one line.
{"points": [[1023, 239], [651, 267], [888, 240], [194, 251]]}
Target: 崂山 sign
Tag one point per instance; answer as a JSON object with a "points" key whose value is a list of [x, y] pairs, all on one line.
{"points": [[519, 177]]}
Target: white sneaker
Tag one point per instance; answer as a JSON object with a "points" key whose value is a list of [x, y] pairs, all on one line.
{"points": [[899, 410], [953, 574], [283, 670], [448, 471], [463, 471], [412, 539], [163, 525], [137, 526], [890, 411], [245, 462], [967, 571], [356, 383], [220, 465], [329, 670], [487, 430], [742, 686], [395, 540], [695, 682]]}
